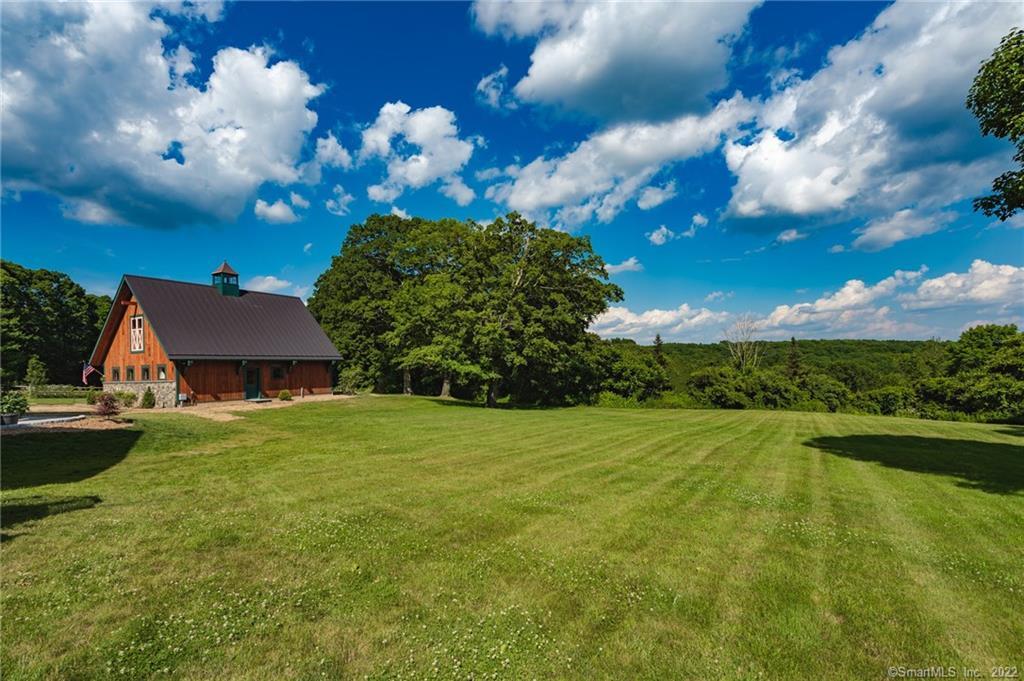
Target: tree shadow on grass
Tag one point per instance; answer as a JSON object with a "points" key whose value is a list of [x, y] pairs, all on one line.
{"points": [[501, 406], [994, 467], [35, 459], [17, 511]]}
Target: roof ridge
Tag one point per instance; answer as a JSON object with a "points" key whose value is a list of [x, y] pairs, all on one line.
{"points": [[195, 283]]}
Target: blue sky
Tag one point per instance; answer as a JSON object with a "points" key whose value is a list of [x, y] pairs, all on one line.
{"points": [[809, 164]]}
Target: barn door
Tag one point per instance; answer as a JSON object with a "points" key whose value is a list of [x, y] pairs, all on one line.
{"points": [[252, 383]]}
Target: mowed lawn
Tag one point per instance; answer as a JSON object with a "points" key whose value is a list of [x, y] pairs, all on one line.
{"points": [[390, 537]]}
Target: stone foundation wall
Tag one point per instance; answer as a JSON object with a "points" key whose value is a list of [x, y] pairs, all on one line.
{"points": [[163, 391]]}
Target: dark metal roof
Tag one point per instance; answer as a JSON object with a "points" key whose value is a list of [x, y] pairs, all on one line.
{"points": [[194, 321], [225, 268]]}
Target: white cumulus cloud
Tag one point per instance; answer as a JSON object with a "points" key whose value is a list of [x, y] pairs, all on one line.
{"points": [[696, 222], [628, 60], [613, 166], [852, 307], [788, 236], [676, 324], [276, 213], [654, 196], [491, 90], [661, 236], [905, 224], [883, 125], [630, 264], [420, 148], [718, 295], [339, 204], [982, 284], [267, 284], [98, 110]]}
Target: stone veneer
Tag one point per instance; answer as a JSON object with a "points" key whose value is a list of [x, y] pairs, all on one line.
{"points": [[163, 391]]}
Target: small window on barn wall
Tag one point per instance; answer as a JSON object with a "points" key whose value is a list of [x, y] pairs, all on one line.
{"points": [[136, 337], [161, 372], [129, 373], [115, 374], [277, 373], [145, 373]]}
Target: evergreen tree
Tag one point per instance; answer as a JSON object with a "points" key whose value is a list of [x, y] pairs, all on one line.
{"points": [[794, 364], [35, 375], [659, 355]]}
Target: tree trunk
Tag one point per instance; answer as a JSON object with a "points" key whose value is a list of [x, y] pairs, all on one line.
{"points": [[492, 394], [406, 382], [446, 387]]}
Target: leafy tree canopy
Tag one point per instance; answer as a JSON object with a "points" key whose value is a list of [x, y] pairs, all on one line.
{"points": [[48, 315], [503, 307], [997, 99]]}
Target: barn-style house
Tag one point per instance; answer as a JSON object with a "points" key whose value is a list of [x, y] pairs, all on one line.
{"points": [[199, 343]]}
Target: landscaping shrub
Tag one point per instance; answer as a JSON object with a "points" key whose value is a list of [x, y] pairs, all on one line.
{"points": [[91, 395], [59, 391], [13, 402], [126, 398], [107, 405], [284, 396], [148, 399]]}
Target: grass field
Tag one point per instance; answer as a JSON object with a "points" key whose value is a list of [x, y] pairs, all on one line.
{"points": [[396, 537], [56, 400]]}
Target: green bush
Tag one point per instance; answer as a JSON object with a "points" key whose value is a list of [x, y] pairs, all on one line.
{"points": [[672, 400], [607, 398], [810, 405], [630, 371], [892, 401], [148, 399], [351, 380], [826, 390], [13, 402], [59, 391], [771, 390], [284, 396], [91, 395], [126, 398]]}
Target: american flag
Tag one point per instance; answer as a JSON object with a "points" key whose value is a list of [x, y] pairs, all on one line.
{"points": [[86, 370]]}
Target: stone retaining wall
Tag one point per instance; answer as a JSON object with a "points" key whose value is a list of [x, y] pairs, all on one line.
{"points": [[163, 391]]}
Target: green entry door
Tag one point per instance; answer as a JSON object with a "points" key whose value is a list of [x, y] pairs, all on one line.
{"points": [[252, 383]]}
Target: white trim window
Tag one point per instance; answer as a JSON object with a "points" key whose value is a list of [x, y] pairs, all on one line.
{"points": [[136, 334]]}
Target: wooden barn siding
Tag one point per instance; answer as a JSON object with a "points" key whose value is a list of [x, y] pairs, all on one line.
{"points": [[213, 381], [119, 353]]}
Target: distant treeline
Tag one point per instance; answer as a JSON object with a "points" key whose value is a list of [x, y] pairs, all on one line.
{"points": [[980, 376]]}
